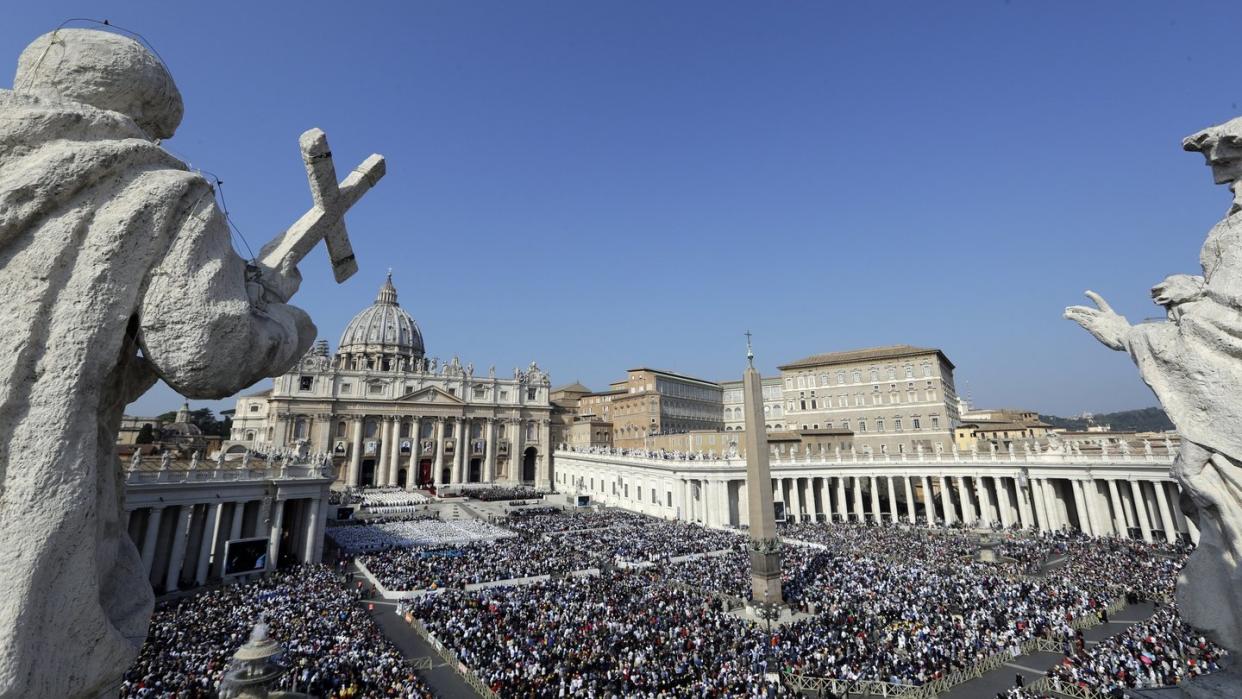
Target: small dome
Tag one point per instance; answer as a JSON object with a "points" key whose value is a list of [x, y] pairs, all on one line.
{"points": [[383, 328]]}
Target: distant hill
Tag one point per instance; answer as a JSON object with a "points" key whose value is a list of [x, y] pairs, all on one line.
{"points": [[1142, 420]]}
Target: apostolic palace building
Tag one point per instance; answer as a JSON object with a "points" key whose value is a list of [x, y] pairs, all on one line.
{"points": [[389, 415]]}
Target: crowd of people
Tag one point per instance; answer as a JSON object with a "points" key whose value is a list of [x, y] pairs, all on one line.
{"points": [[410, 532], [495, 493], [1158, 652], [432, 568], [333, 648], [890, 603]]}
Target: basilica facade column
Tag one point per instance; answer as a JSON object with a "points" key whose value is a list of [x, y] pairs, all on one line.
{"points": [[437, 465], [459, 453], [394, 454], [355, 452], [380, 474], [489, 450]]}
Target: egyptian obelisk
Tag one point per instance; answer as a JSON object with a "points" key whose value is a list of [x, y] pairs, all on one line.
{"points": [[765, 555]]}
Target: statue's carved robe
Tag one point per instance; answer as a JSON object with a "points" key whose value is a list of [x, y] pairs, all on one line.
{"points": [[1194, 365], [116, 268]]}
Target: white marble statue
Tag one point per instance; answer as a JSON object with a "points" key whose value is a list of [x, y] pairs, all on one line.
{"points": [[117, 270], [165, 460], [136, 460], [220, 459], [1193, 363], [194, 461]]}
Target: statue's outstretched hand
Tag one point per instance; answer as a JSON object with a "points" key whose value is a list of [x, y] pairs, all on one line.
{"points": [[1178, 288], [282, 282], [1103, 322]]}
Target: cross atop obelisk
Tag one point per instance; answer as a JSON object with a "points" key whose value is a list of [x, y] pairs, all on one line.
{"points": [[765, 551]]}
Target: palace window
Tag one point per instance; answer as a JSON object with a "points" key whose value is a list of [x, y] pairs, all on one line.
{"points": [[305, 383], [862, 425], [346, 389], [840, 377], [480, 392], [897, 424], [531, 393], [823, 379], [857, 376], [935, 422], [915, 424], [875, 374], [892, 372], [254, 407], [879, 424], [927, 370], [375, 388]]}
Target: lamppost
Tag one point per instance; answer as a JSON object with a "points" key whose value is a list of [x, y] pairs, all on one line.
{"points": [[769, 611]]}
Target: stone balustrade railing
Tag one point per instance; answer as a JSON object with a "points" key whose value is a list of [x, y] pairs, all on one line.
{"points": [[204, 475], [686, 461]]}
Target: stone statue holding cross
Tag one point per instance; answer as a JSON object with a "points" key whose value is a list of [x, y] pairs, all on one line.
{"points": [[116, 269]]}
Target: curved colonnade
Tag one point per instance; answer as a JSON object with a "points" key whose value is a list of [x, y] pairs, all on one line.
{"points": [[1103, 495]]}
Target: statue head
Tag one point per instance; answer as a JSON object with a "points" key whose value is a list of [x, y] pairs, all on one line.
{"points": [[1221, 145], [105, 70]]}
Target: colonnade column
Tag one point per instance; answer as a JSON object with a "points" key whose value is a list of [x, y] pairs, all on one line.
{"points": [[1084, 520], [794, 503], [929, 506], [355, 452], [312, 531], [968, 513], [1024, 504], [875, 499], [211, 530], [892, 500], [1140, 509], [909, 500], [150, 538], [273, 542], [1121, 522], [1166, 519], [859, 512], [817, 499], [177, 557], [946, 500], [981, 496], [1002, 500], [843, 508]]}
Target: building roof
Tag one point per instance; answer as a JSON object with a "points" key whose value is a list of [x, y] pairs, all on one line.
{"points": [[865, 354], [827, 432], [574, 387], [675, 375], [612, 392], [258, 394]]}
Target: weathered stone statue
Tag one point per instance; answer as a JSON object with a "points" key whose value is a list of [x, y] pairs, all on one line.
{"points": [[1193, 363], [116, 269]]}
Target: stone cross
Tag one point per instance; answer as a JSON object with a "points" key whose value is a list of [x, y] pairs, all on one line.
{"points": [[326, 218]]}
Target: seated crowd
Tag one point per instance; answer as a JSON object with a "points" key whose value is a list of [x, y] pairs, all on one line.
{"points": [[412, 532], [332, 646]]}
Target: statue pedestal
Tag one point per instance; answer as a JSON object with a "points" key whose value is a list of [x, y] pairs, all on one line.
{"points": [[754, 614]]}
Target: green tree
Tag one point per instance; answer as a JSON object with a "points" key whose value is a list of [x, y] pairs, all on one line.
{"points": [[146, 435]]}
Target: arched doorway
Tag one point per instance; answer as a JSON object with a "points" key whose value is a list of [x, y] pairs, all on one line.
{"points": [[402, 476], [424, 473], [446, 475], [528, 465], [366, 476], [476, 471]]}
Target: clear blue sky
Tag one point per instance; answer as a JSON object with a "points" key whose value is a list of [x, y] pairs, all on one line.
{"points": [[602, 185]]}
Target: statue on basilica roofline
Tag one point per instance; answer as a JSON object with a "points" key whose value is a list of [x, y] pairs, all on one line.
{"points": [[1193, 363]]}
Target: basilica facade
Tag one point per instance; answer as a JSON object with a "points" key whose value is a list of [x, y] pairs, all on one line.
{"points": [[389, 415]]}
